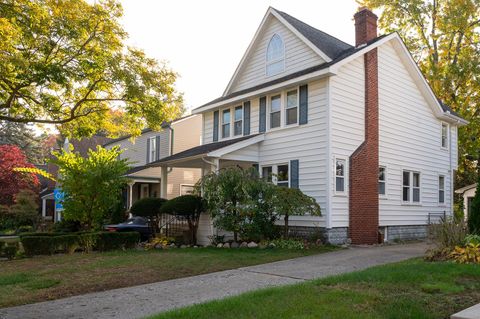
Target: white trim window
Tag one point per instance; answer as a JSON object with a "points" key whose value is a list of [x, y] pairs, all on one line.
{"points": [[382, 180], [186, 189], [282, 175], [411, 187], [340, 169], [275, 58], [226, 123], [238, 121], [441, 189], [444, 135], [277, 174], [291, 108], [275, 111], [267, 173], [152, 155]]}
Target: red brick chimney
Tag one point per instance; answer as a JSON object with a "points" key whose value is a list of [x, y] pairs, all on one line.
{"points": [[363, 189], [365, 26]]}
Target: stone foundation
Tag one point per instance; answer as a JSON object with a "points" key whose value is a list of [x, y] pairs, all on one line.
{"points": [[406, 232], [334, 236]]}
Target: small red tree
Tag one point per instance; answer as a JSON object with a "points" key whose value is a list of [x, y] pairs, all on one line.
{"points": [[11, 182]]}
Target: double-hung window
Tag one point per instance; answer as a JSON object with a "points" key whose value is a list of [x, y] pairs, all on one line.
{"points": [[152, 155], [238, 121], [292, 108], [275, 111], [444, 135], [382, 180], [441, 189], [226, 123], [411, 187], [340, 175], [267, 173], [282, 175]]}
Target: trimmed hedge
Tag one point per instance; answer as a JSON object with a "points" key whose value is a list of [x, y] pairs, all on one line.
{"points": [[48, 244]]}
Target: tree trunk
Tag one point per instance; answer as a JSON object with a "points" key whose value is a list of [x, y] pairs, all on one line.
{"points": [[285, 229]]}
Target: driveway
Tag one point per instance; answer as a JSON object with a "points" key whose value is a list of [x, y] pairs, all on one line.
{"points": [[144, 300]]}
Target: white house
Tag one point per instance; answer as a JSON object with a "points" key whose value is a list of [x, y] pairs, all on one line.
{"points": [[357, 127], [468, 193], [151, 146]]}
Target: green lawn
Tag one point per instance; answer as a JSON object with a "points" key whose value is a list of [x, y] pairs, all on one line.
{"points": [[50, 277], [410, 289]]}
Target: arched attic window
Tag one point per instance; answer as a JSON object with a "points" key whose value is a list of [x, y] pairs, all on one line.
{"points": [[275, 60]]}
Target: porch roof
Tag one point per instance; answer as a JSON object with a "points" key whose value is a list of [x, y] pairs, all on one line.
{"points": [[211, 149]]}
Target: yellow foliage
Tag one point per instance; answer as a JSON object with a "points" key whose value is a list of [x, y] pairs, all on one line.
{"points": [[161, 241], [34, 170], [470, 254]]}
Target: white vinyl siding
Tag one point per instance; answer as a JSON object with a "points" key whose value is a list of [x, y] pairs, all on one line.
{"points": [[298, 56], [409, 140]]}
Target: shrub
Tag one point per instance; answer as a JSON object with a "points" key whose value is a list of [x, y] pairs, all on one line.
{"points": [[88, 241], [187, 207], [117, 240], [38, 245], [466, 255], [148, 207], [10, 251], [449, 233], [472, 239], [67, 226]]}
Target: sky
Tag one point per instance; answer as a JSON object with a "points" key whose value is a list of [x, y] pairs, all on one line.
{"points": [[203, 41]]}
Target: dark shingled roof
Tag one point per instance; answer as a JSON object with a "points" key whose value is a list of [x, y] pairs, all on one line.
{"points": [[326, 43], [447, 108], [201, 149]]}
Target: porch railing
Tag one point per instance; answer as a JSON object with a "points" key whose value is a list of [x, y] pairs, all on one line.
{"points": [[436, 217], [171, 226]]}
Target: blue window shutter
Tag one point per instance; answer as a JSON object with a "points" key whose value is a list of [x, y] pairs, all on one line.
{"points": [[303, 117], [148, 151], [262, 126], [157, 151], [246, 118], [294, 168], [215, 125]]}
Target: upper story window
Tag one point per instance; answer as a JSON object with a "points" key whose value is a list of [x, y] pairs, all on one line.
{"points": [[275, 60], [152, 155], [226, 123], [292, 108], [444, 135], [411, 187], [382, 180], [340, 175], [275, 111], [238, 121]]}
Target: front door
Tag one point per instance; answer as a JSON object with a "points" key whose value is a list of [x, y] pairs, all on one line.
{"points": [[144, 190]]}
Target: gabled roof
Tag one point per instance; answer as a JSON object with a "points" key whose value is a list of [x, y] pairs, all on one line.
{"points": [[328, 44], [465, 188], [201, 150]]}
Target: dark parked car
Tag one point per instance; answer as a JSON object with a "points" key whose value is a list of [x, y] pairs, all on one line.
{"points": [[138, 224]]}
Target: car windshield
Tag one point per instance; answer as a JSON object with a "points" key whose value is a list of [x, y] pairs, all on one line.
{"points": [[136, 221]]}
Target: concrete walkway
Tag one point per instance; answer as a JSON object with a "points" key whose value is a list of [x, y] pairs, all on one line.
{"points": [[144, 300]]}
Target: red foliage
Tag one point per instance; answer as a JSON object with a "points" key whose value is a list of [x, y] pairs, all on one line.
{"points": [[12, 182]]}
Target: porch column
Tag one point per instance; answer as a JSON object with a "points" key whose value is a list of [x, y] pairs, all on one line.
{"points": [[44, 207], [130, 194], [163, 181], [216, 165]]}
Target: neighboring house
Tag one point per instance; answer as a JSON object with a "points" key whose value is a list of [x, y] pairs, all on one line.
{"points": [[152, 146], [468, 193], [48, 209], [356, 127]]}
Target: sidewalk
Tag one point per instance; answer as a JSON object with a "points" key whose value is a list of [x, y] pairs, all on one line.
{"points": [[145, 300]]}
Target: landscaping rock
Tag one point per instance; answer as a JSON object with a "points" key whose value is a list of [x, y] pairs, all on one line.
{"points": [[172, 245], [183, 246], [219, 245], [234, 245], [244, 245], [272, 245], [252, 245], [226, 245]]}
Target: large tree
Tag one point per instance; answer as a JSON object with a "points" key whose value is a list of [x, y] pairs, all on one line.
{"points": [[444, 38], [65, 63], [11, 181]]}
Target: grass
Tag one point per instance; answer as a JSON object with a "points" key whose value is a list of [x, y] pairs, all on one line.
{"points": [[51, 277], [410, 289]]}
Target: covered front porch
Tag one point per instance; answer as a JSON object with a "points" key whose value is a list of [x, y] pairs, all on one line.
{"points": [[240, 152], [142, 182]]}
